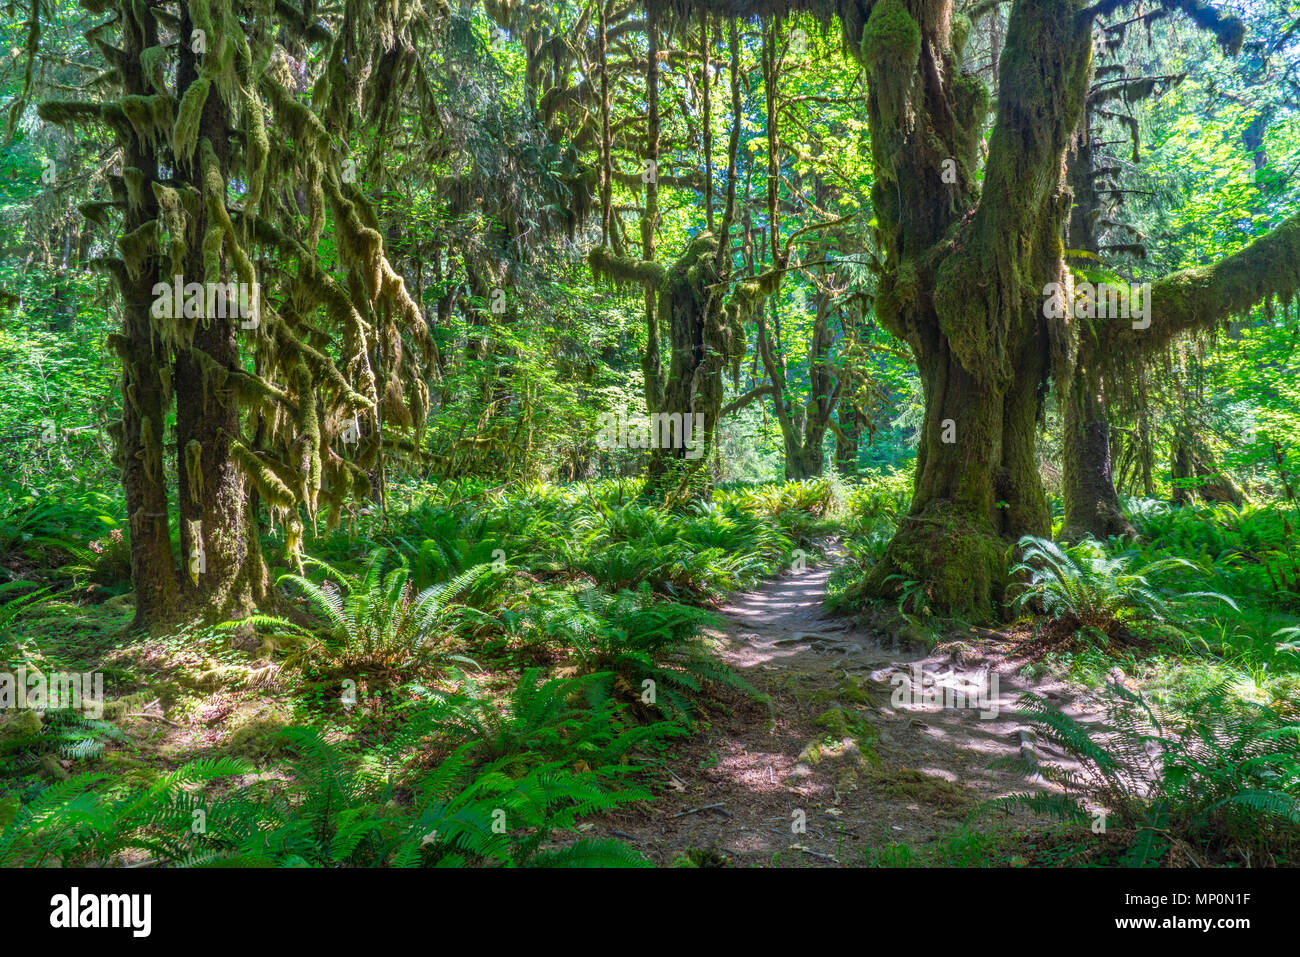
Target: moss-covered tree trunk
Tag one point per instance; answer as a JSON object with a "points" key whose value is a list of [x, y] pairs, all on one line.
{"points": [[965, 270], [223, 573], [849, 427], [705, 339], [1192, 473], [139, 435], [1091, 503]]}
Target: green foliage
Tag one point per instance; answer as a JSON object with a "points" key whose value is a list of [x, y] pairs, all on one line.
{"points": [[332, 811], [375, 622], [567, 720], [1087, 589], [654, 651], [34, 741], [1216, 782]]}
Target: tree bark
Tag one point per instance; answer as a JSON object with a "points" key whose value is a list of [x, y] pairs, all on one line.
{"points": [[223, 574], [1091, 503]]}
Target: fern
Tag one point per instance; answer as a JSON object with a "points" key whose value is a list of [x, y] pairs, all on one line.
{"points": [[1087, 589], [374, 623], [1216, 778]]}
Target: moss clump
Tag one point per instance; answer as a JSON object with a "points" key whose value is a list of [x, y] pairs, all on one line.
{"points": [[259, 740], [961, 30], [971, 99], [23, 724], [907, 784], [701, 857], [890, 50], [848, 739], [891, 39], [128, 703], [842, 723], [129, 770], [847, 742], [852, 690]]}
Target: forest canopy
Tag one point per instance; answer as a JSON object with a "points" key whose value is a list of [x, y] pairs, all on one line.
{"points": [[391, 382]]}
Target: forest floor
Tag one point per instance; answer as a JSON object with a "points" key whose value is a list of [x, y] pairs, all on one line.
{"points": [[832, 770]]}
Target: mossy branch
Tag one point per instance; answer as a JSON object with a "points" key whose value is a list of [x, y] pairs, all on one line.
{"points": [[626, 271], [1266, 271]]}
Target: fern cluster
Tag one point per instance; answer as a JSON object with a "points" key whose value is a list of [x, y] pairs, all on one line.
{"points": [[29, 738], [1213, 783], [375, 622], [1087, 588], [332, 811]]}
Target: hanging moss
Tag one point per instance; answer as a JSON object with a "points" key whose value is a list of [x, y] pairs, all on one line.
{"points": [[185, 131], [1265, 272], [152, 62], [328, 313], [97, 213], [625, 271], [309, 429], [269, 485], [150, 447], [213, 375], [214, 191], [137, 246], [194, 468], [257, 149], [175, 223], [134, 180], [151, 117]]}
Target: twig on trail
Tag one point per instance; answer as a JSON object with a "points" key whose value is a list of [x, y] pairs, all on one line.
{"points": [[817, 854], [720, 807], [675, 777], [153, 717], [624, 835]]}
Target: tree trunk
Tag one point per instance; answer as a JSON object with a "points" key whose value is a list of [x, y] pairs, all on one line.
{"points": [[223, 573], [139, 435], [1191, 472], [977, 486], [1091, 504], [965, 270], [848, 439], [705, 339]]}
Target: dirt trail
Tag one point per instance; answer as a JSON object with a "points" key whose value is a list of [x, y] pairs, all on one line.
{"points": [[849, 747]]}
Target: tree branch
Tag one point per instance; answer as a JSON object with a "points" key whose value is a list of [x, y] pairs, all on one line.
{"points": [[1265, 271], [742, 401]]}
